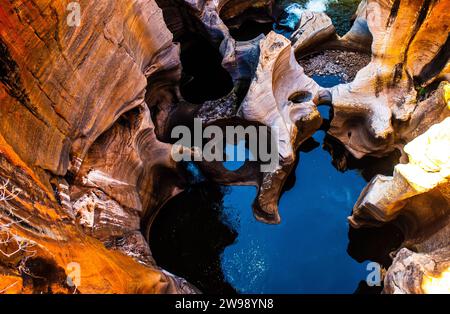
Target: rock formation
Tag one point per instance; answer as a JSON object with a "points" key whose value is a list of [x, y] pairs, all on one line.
{"points": [[87, 111], [383, 108], [417, 199], [72, 102], [397, 99], [280, 96], [416, 273], [423, 180]]}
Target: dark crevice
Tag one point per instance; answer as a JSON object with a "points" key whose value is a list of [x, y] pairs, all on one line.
{"points": [[420, 19], [426, 92], [250, 30], [436, 65], [378, 84], [397, 74], [189, 235], [43, 274], [203, 78], [394, 12], [262, 14], [368, 166], [300, 96], [374, 244], [250, 24], [179, 18], [11, 80], [422, 15]]}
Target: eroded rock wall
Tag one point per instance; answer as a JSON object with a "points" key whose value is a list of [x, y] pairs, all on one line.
{"points": [[385, 105], [78, 143]]}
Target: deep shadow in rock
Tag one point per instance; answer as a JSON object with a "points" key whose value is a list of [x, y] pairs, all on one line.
{"points": [[203, 78], [189, 235], [368, 166], [250, 30], [43, 275], [309, 145], [249, 24], [374, 244]]}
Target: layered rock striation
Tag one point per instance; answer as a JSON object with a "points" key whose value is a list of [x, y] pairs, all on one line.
{"points": [[78, 144]]}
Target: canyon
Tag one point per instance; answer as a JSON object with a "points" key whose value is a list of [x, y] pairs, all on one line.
{"points": [[87, 112]]}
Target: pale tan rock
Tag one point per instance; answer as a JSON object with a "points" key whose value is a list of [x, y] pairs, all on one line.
{"points": [[314, 30], [428, 171], [281, 97], [372, 113], [417, 199], [416, 273]]}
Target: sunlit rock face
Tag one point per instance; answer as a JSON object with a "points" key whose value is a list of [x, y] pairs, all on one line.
{"points": [[439, 284], [385, 103], [78, 145], [417, 273], [414, 185], [418, 190], [417, 199]]}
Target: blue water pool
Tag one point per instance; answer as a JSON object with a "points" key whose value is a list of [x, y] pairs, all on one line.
{"points": [[208, 234], [307, 252]]}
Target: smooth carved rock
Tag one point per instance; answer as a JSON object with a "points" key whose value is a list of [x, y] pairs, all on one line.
{"points": [[416, 273], [131, 166], [79, 146], [372, 113], [359, 37], [72, 103], [281, 97], [238, 57], [278, 78], [314, 30], [418, 189], [417, 199]]}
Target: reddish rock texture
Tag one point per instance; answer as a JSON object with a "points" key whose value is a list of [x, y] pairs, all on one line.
{"points": [[72, 100]]}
